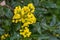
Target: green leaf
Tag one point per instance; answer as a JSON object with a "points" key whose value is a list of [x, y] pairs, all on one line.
{"points": [[44, 24], [1, 11], [8, 13], [7, 25], [36, 2], [41, 10], [18, 26], [53, 38], [15, 36], [1, 31], [53, 22], [43, 37], [48, 4], [38, 27]]}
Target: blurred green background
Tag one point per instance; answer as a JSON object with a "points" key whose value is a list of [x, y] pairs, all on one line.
{"points": [[47, 13]]}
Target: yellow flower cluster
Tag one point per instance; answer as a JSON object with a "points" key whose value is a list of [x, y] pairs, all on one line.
{"points": [[26, 16], [4, 36], [25, 32], [17, 14]]}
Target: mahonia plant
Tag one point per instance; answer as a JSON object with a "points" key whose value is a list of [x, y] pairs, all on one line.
{"points": [[26, 16]]}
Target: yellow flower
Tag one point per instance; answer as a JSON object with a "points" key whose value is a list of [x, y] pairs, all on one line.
{"points": [[25, 32], [23, 14], [32, 8], [26, 16], [57, 35], [33, 19], [24, 35], [26, 29], [2, 37], [23, 20], [13, 20], [6, 35], [29, 34], [17, 10], [16, 16], [30, 15], [25, 25], [30, 19], [25, 10], [16, 21]]}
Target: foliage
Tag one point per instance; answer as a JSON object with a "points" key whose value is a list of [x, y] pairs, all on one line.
{"points": [[47, 26]]}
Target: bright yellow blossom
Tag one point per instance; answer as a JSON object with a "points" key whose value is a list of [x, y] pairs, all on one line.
{"points": [[16, 16], [25, 25], [32, 8], [26, 16], [30, 19], [4, 36], [25, 10], [25, 32], [23, 20], [17, 10]]}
